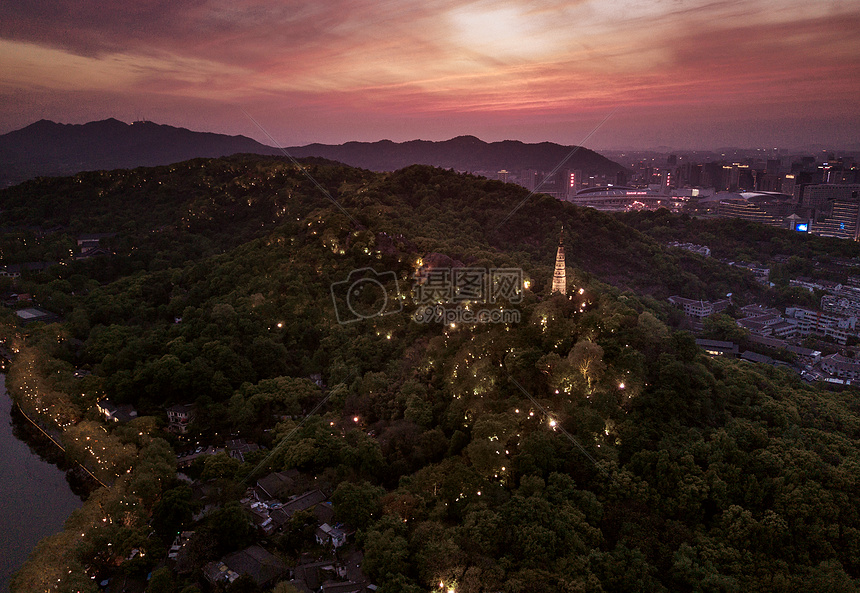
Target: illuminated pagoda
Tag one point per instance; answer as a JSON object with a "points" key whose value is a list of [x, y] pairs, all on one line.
{"points": [[559, 279]]}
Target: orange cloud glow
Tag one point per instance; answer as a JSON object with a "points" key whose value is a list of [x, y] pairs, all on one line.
{"points": [[703, 71]]}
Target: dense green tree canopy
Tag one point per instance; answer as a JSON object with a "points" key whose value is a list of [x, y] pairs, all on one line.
{"points": [[589, 446]]}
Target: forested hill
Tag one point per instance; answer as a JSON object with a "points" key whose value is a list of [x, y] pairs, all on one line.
{"points": [[186, 210], [584, 447]]}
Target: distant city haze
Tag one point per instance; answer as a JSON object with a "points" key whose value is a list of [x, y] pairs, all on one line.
{"points": [[691, 74]]}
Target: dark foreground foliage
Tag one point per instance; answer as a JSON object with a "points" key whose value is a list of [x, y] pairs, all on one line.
{"points": [[588, 447]]}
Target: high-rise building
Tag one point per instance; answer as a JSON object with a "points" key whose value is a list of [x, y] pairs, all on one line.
{"points": [[559, 276], [734, 175], [815, 196], [713, 176], [843, 222], [787, 184], [529, 178], [746, 177], [690, 174], [574, 182], [772, 166], [767, 182], [747, 210], [647, 174], [724, 182]]}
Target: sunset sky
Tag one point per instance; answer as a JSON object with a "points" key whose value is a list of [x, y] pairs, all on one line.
{"points": [[682, 73]]}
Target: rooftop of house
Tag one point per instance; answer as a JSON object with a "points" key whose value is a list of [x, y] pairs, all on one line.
{"points": [[300, 586], [304, 501], [181, 409], [314, 574], [256, 562], [841, 362], [327, 530], [756, 357], [95, 236], [119, 412], [717, 345], [238, 448], [324, 512], [801, 351], [752, 324], [756, 310], [768, 341], [343, 587], [34, 314], [277, 484]]}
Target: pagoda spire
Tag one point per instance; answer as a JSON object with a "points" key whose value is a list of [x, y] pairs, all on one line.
{"points": [[559, 277]]}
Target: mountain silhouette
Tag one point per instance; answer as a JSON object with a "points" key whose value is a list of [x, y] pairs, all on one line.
{"points": [[46, 148], [463, 153]]}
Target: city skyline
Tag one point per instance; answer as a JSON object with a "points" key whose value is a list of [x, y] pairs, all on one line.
{"points": [[685, 75]]}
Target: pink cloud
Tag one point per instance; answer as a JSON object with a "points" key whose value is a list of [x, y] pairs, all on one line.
{"points": [[354, 67]]}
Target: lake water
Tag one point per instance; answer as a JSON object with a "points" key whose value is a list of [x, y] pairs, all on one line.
{"points": [[35, 497]]}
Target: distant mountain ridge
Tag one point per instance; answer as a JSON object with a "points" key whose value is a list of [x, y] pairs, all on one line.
{"points": [[46, 148], [463, 153]]}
